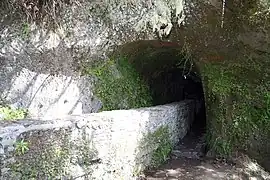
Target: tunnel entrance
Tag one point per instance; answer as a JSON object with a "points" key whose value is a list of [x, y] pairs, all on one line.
{"points": [[173, 86], [172, 77]]}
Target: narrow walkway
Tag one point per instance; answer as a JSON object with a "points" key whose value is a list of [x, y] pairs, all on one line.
{"points": [[193, 169], [187, 162], [207, 169]]}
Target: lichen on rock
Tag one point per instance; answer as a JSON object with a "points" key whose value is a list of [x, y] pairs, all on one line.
{"points": [[160, 17]]}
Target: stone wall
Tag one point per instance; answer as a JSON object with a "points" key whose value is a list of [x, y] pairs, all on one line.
{"points": [[108, 145]]}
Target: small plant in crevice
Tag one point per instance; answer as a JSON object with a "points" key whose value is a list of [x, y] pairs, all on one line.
{"points": [[162, 152], [186, 62], [223, 147], [25, 30], [21, 147], [8, 113]]}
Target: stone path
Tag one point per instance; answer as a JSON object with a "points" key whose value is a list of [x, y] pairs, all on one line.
{"points": [[188, 162]]}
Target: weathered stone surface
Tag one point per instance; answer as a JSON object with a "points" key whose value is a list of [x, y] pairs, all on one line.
{"points": [[47, 95], [91, 29], [108, 145], [39, 67]]}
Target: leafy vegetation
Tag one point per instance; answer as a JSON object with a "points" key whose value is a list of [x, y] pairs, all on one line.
{"points": [[160, 145], [46, 160], [25, 30], [9, 113], [22, 147], [119, 86], [238, 106], [161, 154], [236, 85]]}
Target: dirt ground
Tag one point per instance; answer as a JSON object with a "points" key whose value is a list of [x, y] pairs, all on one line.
{"points": [[207, 169], [189, 162]]}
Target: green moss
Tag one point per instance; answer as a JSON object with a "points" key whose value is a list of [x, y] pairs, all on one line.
{"points": [[163, 145], [119, 86], [25, 30], [155, 62], [11, 114], [50, 155], [220, 81], [237, 106], [158, 144], [48, 163]]}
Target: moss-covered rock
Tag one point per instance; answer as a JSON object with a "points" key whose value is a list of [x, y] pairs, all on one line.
{"points": [[118, 85], [159, 145], [50, 155], [106, 145], [238, 106], [233, 61]]}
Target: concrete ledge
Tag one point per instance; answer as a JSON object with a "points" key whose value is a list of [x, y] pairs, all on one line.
{"points": [[108, 145]]}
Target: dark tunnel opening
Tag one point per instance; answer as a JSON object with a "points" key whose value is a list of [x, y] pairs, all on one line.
{"points": [[174, 86], [172, 77]]}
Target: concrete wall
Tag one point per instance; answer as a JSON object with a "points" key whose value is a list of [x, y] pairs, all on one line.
{"points": [[108, 145]]}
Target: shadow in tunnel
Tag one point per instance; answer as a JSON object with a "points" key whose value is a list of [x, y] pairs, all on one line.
{"points": [[172, 86], [172, 76]]}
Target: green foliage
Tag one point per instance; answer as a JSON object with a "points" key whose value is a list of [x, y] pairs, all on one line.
{"points": [[220, 81], [49, 163], [222, 146], [161, 154], [46, 160], [119, 86], [160, 146], [261, 116], [161, 137], [51, 155], [21, 147], [11, 114], [238, 106], [25, 30]]}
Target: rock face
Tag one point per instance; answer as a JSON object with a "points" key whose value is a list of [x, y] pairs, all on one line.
{"points": [[40, 67], [89, 31], [108, 145], [46, 95]]}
